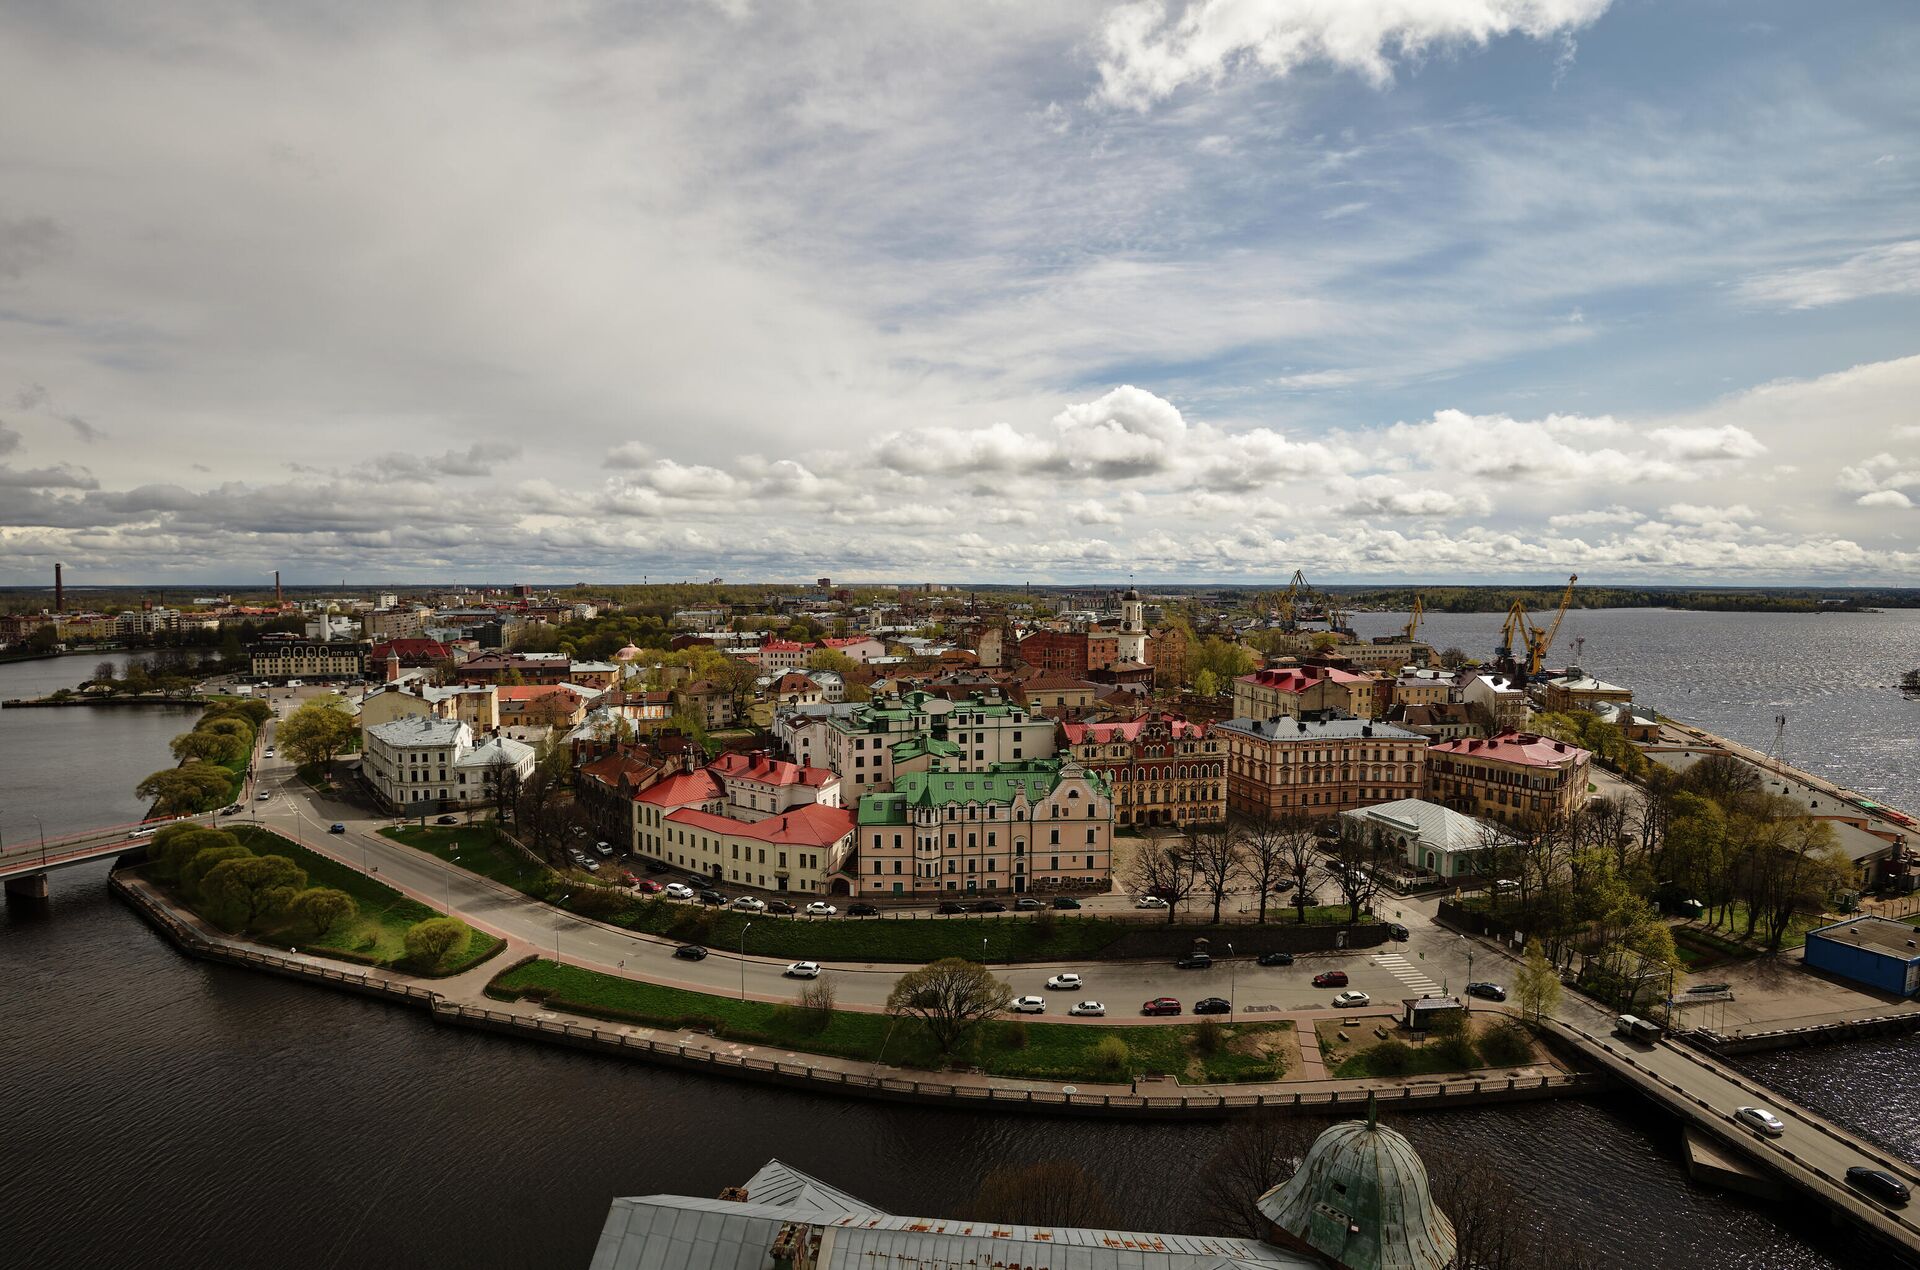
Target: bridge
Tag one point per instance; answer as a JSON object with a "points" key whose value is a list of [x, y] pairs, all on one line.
{"points": [[24, 868], [1811, 1157]]}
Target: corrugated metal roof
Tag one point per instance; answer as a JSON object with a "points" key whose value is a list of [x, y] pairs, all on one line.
{"points": [[781, 1185]]}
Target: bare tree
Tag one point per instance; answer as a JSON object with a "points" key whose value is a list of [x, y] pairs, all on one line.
{"points": [[1164, 869], [1217, 856], [1257, 1154], [1300, 852], [1055, 1193], [1265, 861], [950, 998], [1352, 873]]}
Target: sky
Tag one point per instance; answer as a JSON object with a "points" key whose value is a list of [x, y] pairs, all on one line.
{"points": [[1203, 291]]}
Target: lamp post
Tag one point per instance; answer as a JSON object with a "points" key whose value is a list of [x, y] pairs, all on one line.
{"points": [[559, 921], [1233, 978], [743, 959], [451, 859]]}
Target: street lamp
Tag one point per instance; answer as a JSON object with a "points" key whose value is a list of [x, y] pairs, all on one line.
{"points": [[1233, 977], [559, 921], [743, 959]]}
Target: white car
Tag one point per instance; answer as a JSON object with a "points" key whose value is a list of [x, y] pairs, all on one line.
{"points": [[1028, 1005], [1150, 901], [747, 904], [269, 751], [820, 908], [1350, 998], [1761, 1120], [1088, 1007], [265, 794], [678, 891], [1066, 979], [803, 970]]}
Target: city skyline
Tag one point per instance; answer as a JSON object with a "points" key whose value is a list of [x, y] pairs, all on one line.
{"points": [[1488, 291]]}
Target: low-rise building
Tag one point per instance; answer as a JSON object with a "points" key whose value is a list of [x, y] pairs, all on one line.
{"points": [[1319, 765], [1293, 691], [985, 729], [683, 821], [278, 660], [1430, 838], [784, 654], [476, 705], [861, 648], [1501, 696], [1578, 690], [1514, 777], [421, 764], [1163, 770], [1057, 696], [1420, 687]]}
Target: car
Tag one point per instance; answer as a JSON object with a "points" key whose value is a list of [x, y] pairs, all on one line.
{"points": [[820, 908], [1350, 998], [748, 904], [1065, 901], [1330, 979], [578, 831], [1161, 1005], [263, 795], [1026, 904], [1880, 1184], [1760, 1120], [655, 866], [802, 970], [269, 751], [781, 907], [446, 820], [577, 856], [1283, 886], [603, 850], [712, 898], [1488, 991], [336, 827], [989, 906], [1505, 884], [1276, 959], [863, 910], [678, 891], [1396, 931], [1065, 979], [647, 886], [690, 952], [1149, 901], [1088, 1009], [1028, 1005], [232, 810], [1195, 961], [591, 866], [1326, 831], [950, 909], [1212, 1005], [627, 878]]}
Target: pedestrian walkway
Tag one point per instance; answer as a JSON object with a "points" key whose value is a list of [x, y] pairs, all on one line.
{"points": [[1416, 979]]}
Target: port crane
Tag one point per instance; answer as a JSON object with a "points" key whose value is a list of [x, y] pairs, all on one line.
{"points": [[1413, 618], [1520, 629]]}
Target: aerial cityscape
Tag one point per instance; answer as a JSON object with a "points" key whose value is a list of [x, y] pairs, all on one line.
{"points": [[1163, 635]]}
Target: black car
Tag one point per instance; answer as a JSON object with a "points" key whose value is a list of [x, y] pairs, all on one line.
{"points": [[691, 952], [863, 910], [950, 908], [1027, 903], [1396, 931], [1276, 959], [989, 906], [712, 897], [655, 866], [447, 820], [1212, 1005], [1880, 1184], [1066, 901], [234, 810], [1195, 961], [1490, 991], [336, 827], [1283, 886], [781, 907]]}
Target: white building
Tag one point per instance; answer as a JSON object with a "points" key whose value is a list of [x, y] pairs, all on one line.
{"points": [[419, 763], [1429, 837], [1502, 696]]}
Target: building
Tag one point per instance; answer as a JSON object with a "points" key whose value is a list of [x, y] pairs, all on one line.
{"points": [[420, 764], [607, 789], [688, 821], [1513, 777], [1502, 697], [1875, 952], [476, 705], [861, 648], [1385, 655], [1073, 653], [984, 729], [1163, 769], [1431, 839], [520, 668], [1320, 765], [278, 660], [757, 784], [1293, 691], [1012, 828], [1057, 696], [709, 703], [1417, 687], [542, 705], [1132, 642], [784, 654], [1443, 721], [1577, 690]]}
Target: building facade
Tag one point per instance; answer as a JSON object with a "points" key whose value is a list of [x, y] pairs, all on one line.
{"points": [[684, 821], [1293, 691], [1319, 766], [1514, 777], [1163, 770], [278, 660]]}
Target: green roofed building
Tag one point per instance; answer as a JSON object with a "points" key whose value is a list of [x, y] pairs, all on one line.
{"points": [[1032, 825], [868, 745]]}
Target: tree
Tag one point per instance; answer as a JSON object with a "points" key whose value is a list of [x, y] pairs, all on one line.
{"points": [[323, 907], [1206, 683], [1453, 657], [172, 847], [1257, 1154], [1167, 871], [317, 731], [1263, 857], [1536, 984], [1351, 871], [195, 786], [251, 887], [1217, 857], [428, 942], [832, 659], [204, 747], [204, 862], [104, 675], [1052, 1193], [950, 998]]}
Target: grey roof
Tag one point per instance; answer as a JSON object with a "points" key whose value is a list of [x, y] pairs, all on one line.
{"points": [[419, 729], [1361, 1197], [679, 1232], [1291, 729], [781, 1184], [502, 750], [1435, 826]]}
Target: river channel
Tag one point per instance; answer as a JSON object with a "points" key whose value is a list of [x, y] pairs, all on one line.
{"points": [[164, 1112]]}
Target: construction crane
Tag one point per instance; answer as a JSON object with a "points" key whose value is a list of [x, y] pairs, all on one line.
{"points": [[1284, 603], [1413, 618], [1520, 629]]}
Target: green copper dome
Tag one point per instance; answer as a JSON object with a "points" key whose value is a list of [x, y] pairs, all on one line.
{"points": [[1361, 1199]]}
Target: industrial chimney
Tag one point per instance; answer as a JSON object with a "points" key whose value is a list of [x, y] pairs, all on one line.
{"points": [[59, 589], [276, 586]]}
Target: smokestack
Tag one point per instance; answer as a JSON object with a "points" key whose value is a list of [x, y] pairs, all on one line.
{"points": [[59, 589], [276, 586]]}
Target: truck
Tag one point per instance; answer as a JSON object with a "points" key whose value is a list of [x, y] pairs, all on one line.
{"points": [[1636, 1029]]}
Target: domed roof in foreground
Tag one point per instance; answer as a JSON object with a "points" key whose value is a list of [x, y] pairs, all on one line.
{"points": [[1361, 1199]]}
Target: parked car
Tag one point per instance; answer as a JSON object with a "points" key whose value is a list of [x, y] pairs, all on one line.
{"points": [[1149, 901], [269, 751], [1065, 979], [1397, 932], [647, 886], [781, 907], [234, 810], [1086, 1009], [802, 970], [748, 904], [1026, 904], [678, 891], [950, 909], [989, 906], [1761, 1120], [1212, 1005], [713, 898], [690, 952], [1330, 979], [591, 866], [1283, 886], [1028, 1005], [1880, 1184], [446, 820], [820, 908], [603, 850], [1065, 901], [336, 827], [1195, 961], [1276, 959], [1161, 1005], [863, 910], [1489, 991], [1505, 884], [1350, 998]]}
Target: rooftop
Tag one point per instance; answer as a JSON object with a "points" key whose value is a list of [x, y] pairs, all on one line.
{"points": [[420, 729], [1878, 934], [1525, 748], [1307, 730], [1434, 825], [758, 765], [809, 825]]}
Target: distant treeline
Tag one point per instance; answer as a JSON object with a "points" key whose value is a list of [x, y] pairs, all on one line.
{"points": [[1458, 599]]}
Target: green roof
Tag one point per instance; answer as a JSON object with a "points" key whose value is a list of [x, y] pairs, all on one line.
{"points": [[914, 746], [1034, 778]]}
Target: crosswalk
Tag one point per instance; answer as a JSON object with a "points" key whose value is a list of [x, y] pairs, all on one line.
{"points": [[1406, 972]]}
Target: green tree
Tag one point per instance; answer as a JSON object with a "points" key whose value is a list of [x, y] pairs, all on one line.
{"points": [[317, 731], [172, 847], [949, 998], [195, 870], [252, 887], [191, 787], [322, 908], [1536, 985], [430, 941], [204, 747], [1206, 683], [832, 659]]}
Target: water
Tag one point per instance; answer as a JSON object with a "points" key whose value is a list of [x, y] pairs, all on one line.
{"points": [[208, 1116]]}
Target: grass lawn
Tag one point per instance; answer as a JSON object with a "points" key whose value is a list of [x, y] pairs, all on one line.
{"points": [[377, 936], [1008, 1047], [481, 849], [1355, 1058], [1731, 928]]}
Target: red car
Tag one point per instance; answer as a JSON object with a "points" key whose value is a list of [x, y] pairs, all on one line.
{"points": [[1330, 979], [1161, 1005], [648, 886]]}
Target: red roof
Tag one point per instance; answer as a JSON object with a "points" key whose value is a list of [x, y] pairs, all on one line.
{"points": [[529, 692], [782, 646], [811, 825], [757, 765], [610, 770], [1516, 747], [681, 790], [1297, 679], [404, 648], [1102, 733], [849, 640]]}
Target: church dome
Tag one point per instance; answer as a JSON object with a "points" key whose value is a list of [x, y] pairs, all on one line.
{"points": [[627, 654], [1361, 1199], [1132, 596]]}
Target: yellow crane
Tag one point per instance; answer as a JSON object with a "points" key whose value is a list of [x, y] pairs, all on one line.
{"points": [[1532, 638], [1413, 618], [1284, 604]]}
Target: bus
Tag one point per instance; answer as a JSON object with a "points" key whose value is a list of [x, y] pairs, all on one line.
{"points": [[1636, 1029]]}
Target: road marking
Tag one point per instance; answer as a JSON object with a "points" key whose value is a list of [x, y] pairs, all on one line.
{"points": [[1406, 972]]}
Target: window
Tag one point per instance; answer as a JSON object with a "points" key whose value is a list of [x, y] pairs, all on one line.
{"points": [[1055, 838]]}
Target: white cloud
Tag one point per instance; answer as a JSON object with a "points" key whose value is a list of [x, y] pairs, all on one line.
{"points": [[1709, 444], [1884, 498], [1890, 270], [1697, 514], [629, 455], [1600, 516]]}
